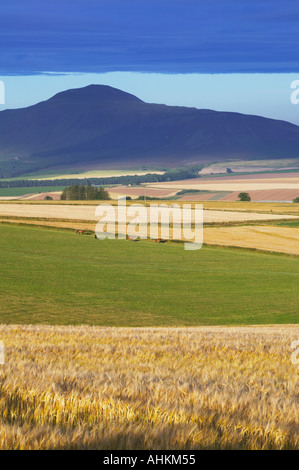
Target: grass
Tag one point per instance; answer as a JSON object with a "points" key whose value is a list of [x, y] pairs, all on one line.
{"points": [[10, 192], [286, 223], [148, 389], [55, 277]]}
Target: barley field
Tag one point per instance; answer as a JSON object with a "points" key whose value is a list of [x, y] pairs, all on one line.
{"points": [[267, 238], [148, 388]]}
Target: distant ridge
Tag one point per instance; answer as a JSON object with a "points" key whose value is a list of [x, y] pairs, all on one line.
{"points": [[99, 124]]}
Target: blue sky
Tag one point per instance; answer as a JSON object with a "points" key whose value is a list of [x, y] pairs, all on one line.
{"points": [[220, 54]]}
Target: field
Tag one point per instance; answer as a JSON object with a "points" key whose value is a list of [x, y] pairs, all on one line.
{"points": [[111, 344], [85, 173], [254, 165], [233, 184], [261, 187], [17, 192], [267, 238], [86, 212], [274, 226], [149, 388], [59, 278]]}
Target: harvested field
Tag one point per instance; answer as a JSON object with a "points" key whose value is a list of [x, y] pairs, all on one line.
{"points": [[257, 207], [268, 238], [219, 217], [149, 388], [135, 192], [87, 213]]}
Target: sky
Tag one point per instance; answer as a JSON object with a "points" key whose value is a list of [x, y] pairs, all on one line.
{"points": [[219, 54]]}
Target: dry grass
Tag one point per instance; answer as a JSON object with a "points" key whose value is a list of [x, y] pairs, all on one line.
{"points": [[148, 388], [269, 238]]}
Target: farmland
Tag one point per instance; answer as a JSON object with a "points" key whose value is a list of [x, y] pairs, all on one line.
{"points": [[148, 388], [224, 222], [87, 212], [17, 192], [272, 187], [111, 344], [55, 277]]}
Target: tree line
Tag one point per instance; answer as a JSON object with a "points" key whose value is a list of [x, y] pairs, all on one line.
{"points": [[170, 175], [81, 193]]}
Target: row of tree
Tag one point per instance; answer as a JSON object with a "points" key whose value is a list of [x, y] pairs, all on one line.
{"points": [[171, 175], [84, 193]]}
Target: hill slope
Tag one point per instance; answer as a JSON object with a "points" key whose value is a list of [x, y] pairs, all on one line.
{"points": [[100, 124]]}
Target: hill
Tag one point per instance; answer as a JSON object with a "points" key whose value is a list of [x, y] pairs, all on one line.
{"points": [[99, 124]]}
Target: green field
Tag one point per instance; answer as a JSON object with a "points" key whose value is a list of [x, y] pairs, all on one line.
{"points": [[57, 277], [11, 192]]}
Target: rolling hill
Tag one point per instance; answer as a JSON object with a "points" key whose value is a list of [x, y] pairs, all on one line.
{"points": [[99, 124]]}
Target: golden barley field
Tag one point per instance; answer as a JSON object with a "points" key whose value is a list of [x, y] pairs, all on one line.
{"points": [[149, 388], [265, 238]]}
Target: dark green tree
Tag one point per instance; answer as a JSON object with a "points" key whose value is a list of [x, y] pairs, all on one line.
{"points": [[244, 197]]}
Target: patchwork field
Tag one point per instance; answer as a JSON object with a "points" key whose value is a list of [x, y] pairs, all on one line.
{"points": [[266, 195], [111, 345], [233, 184], [261, 187], [224, 223], [148, 388]]}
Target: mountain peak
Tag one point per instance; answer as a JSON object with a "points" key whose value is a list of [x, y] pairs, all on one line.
{"points": [[94, 93]]}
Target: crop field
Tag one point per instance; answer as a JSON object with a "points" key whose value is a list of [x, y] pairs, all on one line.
{"points": [[141, 191], [272, 187], [148, 388], [283, 239], [234, 184], [17, 192], [266, 195], [112, 345], [284, 164], [87, 212], [57, 277]]}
